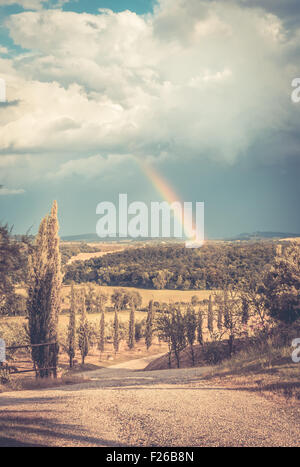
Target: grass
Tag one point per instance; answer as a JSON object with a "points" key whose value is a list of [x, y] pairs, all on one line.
{"points": [[32, 383], [265, 369]]}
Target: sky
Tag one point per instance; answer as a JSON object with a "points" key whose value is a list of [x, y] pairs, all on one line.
{"points": [[200, 90]]}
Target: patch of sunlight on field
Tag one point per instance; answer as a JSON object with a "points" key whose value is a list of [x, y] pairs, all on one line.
{"points": [[167, 296]]}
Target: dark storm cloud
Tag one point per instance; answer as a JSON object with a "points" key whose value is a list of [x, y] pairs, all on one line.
{"points": [[287, 10]]}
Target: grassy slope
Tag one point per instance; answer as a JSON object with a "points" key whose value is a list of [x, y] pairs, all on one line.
{"points": [[267, 370]]}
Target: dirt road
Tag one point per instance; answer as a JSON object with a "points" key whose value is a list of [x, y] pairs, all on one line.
{"points": [[124, 406]]}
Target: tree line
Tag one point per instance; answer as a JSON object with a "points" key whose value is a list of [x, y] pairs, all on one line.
{"points": [[175, 267]]}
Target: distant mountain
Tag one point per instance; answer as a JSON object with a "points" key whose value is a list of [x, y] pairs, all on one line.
{"points": [[94, 238], [245, 236], [262, 236], [89, 237]]}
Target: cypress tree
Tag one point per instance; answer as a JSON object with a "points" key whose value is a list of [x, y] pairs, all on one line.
{"points": [[245, 311], [200, 327], [226, 309], [116, 332], [83, 331], [71, 339], [220, 317], [44, 300], [54, 264], [149, 326], [191, 325], [131, 329], [100, 309], [210, 317]]}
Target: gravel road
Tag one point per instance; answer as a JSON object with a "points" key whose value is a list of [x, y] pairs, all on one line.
{"points": [[124, 406]]}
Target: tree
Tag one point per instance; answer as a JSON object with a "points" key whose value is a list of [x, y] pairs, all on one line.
{"points": [[253, 302], [194, 300], [12, 266], [281, 286], [71, 338], [220, 317], [149, 326], [131, 329], [44, 300], [117, 299], [160, 280], [210, 317], [163, 326], [200, 327], [83, 330], [101, 299], [89, 298], [178, 338], [191, 326], [233, 312], [116, 337]]}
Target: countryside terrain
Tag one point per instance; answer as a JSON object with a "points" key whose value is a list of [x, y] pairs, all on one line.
{"points": [[167, 347], [125, 406]]}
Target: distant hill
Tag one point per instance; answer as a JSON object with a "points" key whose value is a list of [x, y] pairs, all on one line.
{"points": [[245, 236], [262, 236]]}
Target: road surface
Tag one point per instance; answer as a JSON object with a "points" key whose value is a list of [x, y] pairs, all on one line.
{"points": [[124, 406]]}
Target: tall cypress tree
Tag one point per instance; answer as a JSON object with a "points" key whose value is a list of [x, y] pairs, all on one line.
{"points": [[44, 300], [131, 329], [149, 326], [72, 327], [116, 339], [200, 327], [83, 331], [220, 316], [100, 309], [210, 317], [191, 326]]}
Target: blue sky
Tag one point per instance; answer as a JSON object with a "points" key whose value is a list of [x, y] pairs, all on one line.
{"points": [[199, 90]]}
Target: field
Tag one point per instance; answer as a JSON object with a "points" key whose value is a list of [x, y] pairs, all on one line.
{"points": [[166, 296], [104, 249]]}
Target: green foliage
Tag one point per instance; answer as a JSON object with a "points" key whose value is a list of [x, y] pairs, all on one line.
{"points": [[149, 325], [200, 327], [170, 325], [68, 250], [131, 329], [13, 264], [281, 286], [102, 332], [116, 335], [71, 337], [210, 316], [83, 332], [122, 298], [139, 330], [44, 300], [213, 266], [191, 326]]}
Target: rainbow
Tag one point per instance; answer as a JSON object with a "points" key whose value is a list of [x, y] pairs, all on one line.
{"points": [[169, 195]]}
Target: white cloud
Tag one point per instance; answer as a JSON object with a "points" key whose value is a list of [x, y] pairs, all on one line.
{"points": [[31, 4], [195, 79], [91, 167], [10, 191]]}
